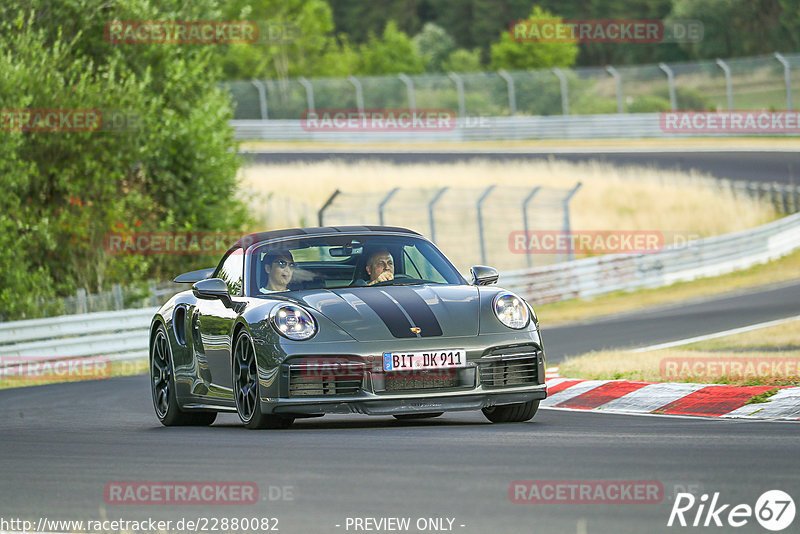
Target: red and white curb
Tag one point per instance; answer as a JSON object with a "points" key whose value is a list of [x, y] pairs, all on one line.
{"points": [[629, 397]]}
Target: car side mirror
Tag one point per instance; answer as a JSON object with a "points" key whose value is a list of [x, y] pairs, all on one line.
{"points": [[483, 275], [212, 288]]}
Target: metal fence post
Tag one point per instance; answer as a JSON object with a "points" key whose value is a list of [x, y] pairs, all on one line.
{"points": [[525, 202], [787, 79], [570, 254], [412, 101], [81, 301], [328, 202], [262, 97], [562, 78], [618, 81], [462, 106], [512, 95], [728, 84], [309, 93], [359, 92], [383, 203], [480, 221], [673, 101], [116, 292], [430, 211], [151, 287]]}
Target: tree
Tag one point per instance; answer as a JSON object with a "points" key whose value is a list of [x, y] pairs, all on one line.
{"points": [[434, 45], [741, 27], [518, 55], [462, 60], [169, 165], [295, 39], [392, 53]]}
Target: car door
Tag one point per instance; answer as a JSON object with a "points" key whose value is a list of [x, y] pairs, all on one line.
{"points": [[215, 322]]}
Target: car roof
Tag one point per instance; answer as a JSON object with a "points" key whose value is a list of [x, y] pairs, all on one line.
{"points": [[259, 237]]}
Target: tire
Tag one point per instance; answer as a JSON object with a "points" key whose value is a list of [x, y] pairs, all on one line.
{"points": [[162, 387], [246, 390], [411, 416], [512, 413]]}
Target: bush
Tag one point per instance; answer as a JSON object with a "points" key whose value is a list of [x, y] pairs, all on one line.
{"points": [[172, 166], [648, 104]]}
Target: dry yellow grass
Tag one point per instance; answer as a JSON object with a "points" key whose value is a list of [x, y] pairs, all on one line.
{"points": [[708, 362], [778, 336], [126, 368], [611, 198]]}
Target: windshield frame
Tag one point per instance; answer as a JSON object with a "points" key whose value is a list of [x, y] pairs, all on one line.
{"points": [[251, 287]]}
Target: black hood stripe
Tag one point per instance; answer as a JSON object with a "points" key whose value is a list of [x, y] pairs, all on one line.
{"points": [[416, 308], [389, 312]]}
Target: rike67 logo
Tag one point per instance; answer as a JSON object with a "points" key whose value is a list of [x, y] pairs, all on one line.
{"points": [[774, 510]]}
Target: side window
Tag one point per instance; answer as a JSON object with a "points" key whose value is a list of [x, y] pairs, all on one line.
{"points": [[232, 270], [418, 266]]}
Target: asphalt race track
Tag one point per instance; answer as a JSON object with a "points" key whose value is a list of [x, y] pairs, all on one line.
{"points": [[755, 165], [670, 323], [61, 444]]}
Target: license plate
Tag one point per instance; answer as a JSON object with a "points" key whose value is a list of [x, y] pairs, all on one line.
{"points": [[441, 359]]}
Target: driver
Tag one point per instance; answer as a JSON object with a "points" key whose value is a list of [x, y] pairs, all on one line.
{"points": [[279, 266], [380, 267]]}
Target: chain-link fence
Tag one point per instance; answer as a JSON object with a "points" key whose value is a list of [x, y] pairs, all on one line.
{"points": [[469, 225], [151, 294], [763, 82]]}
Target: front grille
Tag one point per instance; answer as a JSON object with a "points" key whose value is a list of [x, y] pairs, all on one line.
{"points": [[512, 370], [422, 379], [325, 378]]}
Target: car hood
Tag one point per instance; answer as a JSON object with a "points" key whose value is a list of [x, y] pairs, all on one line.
{"points": [[386, 312]]}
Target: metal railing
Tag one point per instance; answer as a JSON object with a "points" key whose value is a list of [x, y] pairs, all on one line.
{"points": [[114, 335], [761, 82], [700, 258]]}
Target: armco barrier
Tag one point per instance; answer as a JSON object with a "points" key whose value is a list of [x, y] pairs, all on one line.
{"points": [[696, 259], [123, 334], [117, 334], [622, 125]]}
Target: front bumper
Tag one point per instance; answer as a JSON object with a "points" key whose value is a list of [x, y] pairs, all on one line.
{"points": [[405, 404], [308, 386]]}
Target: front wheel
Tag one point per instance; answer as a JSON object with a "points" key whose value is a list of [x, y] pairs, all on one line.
{"points": [[245, 384], [162, 385], [512, 413]]}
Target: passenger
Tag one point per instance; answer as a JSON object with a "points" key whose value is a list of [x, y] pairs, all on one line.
{"points": [[380, 267], [279, 266]]}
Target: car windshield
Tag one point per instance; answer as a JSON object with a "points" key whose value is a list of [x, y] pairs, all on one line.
{"points": [[347, 261]]}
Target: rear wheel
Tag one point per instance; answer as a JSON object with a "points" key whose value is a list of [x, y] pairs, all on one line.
{"points": [[512, 413], [162, 384], [409, 416], [246, 391]]}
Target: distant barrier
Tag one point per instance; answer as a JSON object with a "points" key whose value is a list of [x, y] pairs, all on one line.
{"points": [[711, 256]]}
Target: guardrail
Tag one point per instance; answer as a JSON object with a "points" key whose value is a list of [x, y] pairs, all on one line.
{"points": [[122, 335], [617, 126], [119, 335], [711, 256]]}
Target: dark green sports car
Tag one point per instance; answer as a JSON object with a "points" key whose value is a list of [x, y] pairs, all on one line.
{"points": [[357, 319]]}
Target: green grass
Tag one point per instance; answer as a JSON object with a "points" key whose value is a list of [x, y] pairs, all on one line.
{"points": [[762, 397]]}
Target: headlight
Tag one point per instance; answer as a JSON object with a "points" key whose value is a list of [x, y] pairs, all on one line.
{"points": [[293, 322], [511, 310]]}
